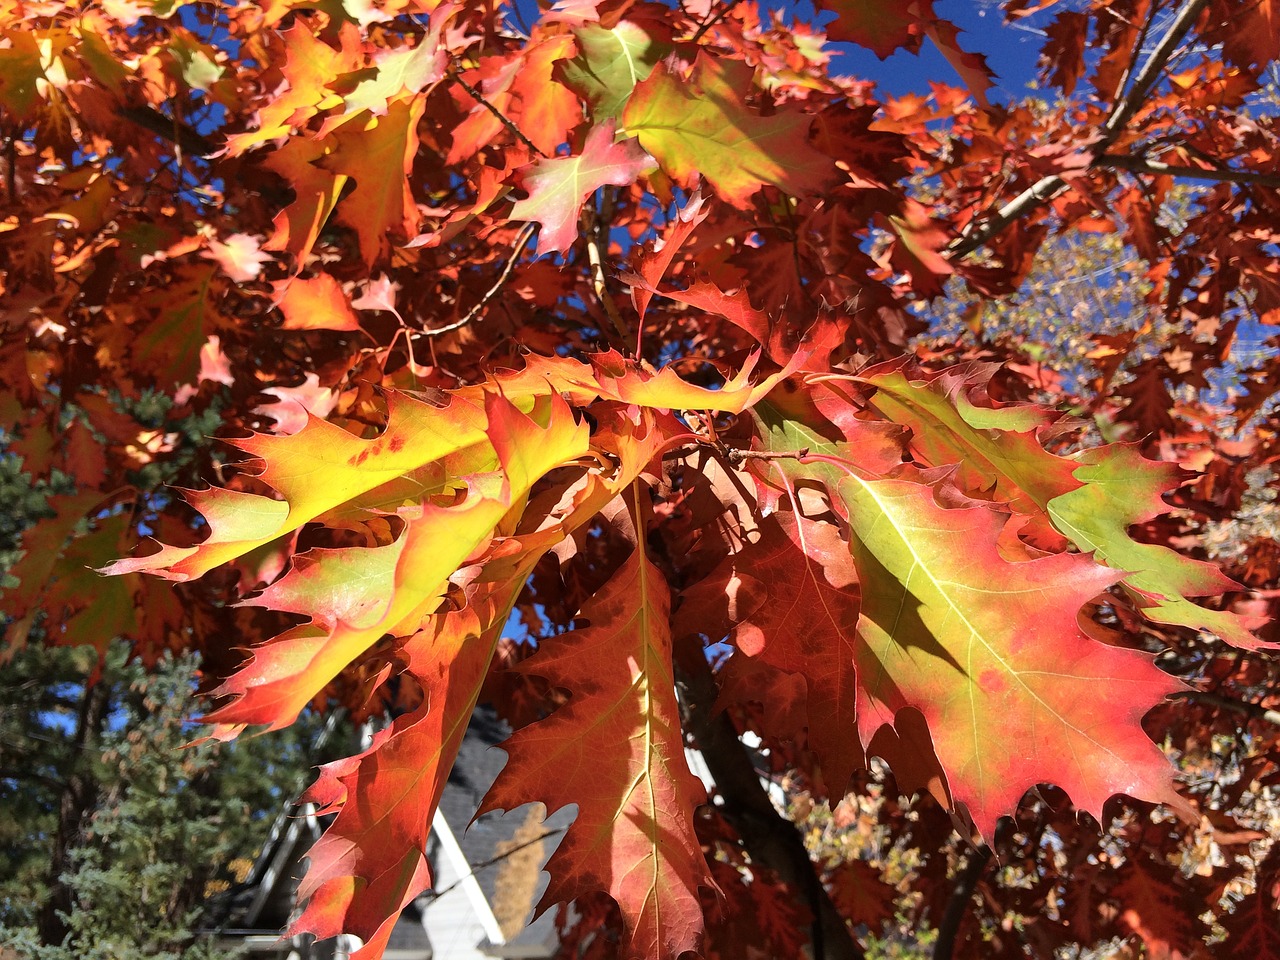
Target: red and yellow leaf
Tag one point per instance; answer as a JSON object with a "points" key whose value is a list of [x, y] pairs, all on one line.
{"points": [[558, 187], [993, 655]]}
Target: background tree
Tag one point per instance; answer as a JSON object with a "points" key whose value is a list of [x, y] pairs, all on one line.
{"points": [[707, 405], [116, 831]]}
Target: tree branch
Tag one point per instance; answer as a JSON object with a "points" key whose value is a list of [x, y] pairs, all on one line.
{"points": [[961, 893], [522, 241], [479, 98], [1150, 73], [595, 257], [770, 839], [1141, 164], [1046, 188], [1252, 710]]}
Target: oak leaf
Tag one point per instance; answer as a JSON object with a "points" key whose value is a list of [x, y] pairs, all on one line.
{"points": [[785, 602], [993, 655], [378, 155], [559, 186], [611, 61], [633, 836], [315, 303], [703, 126]]}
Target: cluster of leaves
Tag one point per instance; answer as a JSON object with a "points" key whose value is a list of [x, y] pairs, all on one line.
{"points": [[700, 427]]}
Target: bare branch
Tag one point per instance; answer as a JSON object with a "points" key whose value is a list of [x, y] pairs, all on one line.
{"points": [[1046, 188], [522, 241], [1140, 164], [479, 98]]}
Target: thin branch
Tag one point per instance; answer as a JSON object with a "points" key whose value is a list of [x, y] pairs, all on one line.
{"points": [[1254, 711], [1147, 23], [171, 129], [437, 894], [1150, 73], [1046, 188], [1139, 164], [958, 905], [595, 258], [522, 241], [736, 456], [479, 98], [712, 20]]}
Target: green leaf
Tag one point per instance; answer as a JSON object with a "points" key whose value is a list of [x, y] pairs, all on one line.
{"points": [[702, 126], [611, 62]]}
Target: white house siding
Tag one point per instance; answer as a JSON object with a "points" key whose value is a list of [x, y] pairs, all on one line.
{"points": [[458, 920]]}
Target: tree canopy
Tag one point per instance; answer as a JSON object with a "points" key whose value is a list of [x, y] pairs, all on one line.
{"points": [[634, 367]]}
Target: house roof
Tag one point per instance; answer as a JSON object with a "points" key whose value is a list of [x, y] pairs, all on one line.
{"points": [[496, 861]]}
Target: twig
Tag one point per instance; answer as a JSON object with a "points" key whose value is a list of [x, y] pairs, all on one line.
{"points": [[736, 456], [479, 98], [1252, 710], [598, 283], [437, 894], [961, 893], [712, 20], [1139, 164], [522, 241], [1046, 188]]}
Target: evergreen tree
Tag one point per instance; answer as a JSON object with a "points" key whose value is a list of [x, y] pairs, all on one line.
{"points": [[121, 829]]}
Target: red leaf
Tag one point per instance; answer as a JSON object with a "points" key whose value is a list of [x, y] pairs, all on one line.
{"points": [[1014, 692], [652, 264], [793, 609], [633, 837], [378, 155], [880, 27]]}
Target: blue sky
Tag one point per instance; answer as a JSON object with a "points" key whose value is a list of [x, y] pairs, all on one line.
{"points": [[1011, 51]]}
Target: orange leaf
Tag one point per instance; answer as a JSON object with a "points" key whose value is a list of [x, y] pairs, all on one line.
{"points": [[316, 303]]}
